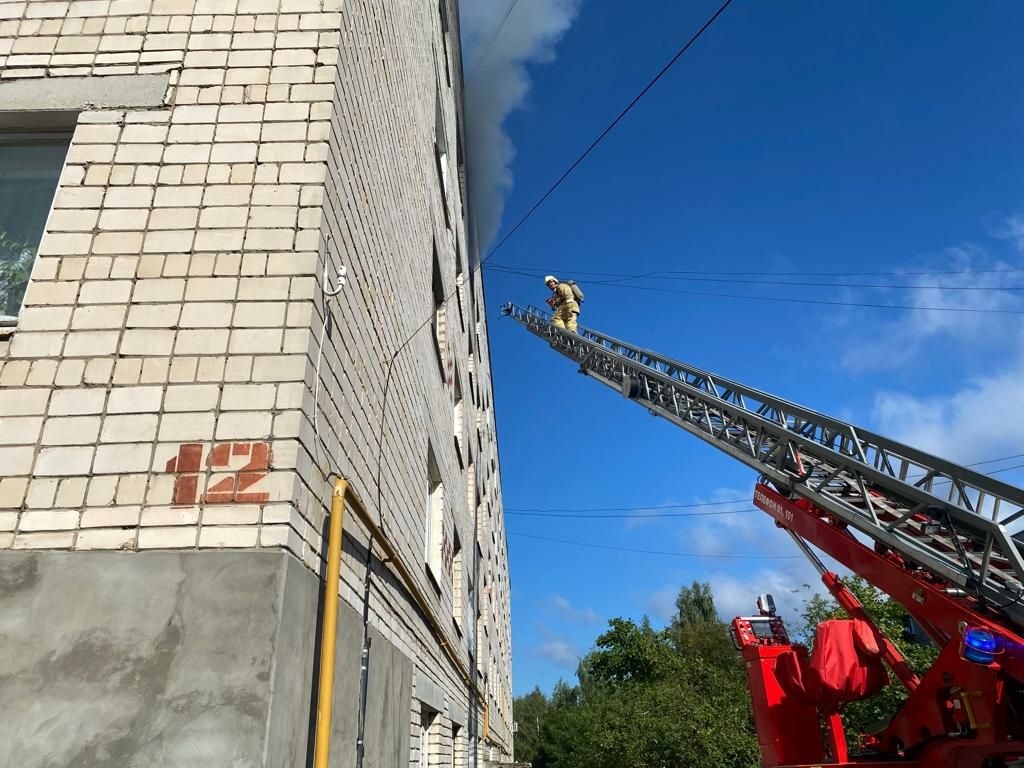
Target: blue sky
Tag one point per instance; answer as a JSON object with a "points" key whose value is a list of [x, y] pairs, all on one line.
{"points": [[793, 138]]}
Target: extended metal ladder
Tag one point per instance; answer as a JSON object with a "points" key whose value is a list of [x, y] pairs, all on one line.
{"points": [[948, 519]]}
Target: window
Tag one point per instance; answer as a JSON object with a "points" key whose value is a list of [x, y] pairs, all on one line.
{"points": [[435, 516], [441, 157], [30, 167], [460, 289], [440, 314], [458, 419], [443, 11], [459, 606], [459, 756], [428, 743]]}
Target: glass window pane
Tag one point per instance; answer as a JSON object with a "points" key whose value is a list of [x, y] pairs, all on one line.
{"points": [[30, 167]]}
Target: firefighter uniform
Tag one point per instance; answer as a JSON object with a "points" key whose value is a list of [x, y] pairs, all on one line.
{"points": [[566, 308]]}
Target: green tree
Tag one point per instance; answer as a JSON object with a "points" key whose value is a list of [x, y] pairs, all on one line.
{"points": [[529, 712], [695, 630], [628, 653], [652, 698], [873, 713], [695, 606]]}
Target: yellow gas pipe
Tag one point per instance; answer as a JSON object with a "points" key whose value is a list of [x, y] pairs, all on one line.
{"points": [[329, 630]]}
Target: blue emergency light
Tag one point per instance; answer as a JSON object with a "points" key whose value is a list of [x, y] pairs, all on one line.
{"points": [[980, 646]]}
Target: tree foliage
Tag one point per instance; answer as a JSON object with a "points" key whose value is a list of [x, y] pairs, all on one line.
{"points": [[647, 698]]}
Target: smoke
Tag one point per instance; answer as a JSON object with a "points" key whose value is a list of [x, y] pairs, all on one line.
{"points": [[497, 83]]}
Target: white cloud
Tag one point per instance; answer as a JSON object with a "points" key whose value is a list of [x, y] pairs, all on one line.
{"points": [[905, 336], [558, 651], [562, 608], [497, 83], [982, 419], [1012, 229], [735, 531]]}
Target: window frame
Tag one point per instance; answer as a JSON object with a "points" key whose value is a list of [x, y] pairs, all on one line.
{"points": [[434, 524], [21, 136]]}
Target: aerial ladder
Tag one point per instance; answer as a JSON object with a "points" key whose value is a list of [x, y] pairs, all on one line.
{"points": [[933, 535]]}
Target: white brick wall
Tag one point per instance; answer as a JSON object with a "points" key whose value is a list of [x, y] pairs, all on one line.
{"points": [[158, 391]]}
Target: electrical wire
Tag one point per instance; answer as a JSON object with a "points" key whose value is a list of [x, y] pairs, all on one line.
{"points": [[720, 555], [522, 220], [679, 54], [485, 49], [539, 271], [624, 509], [794, 300], [593, 513], [656, 276], [616, 516]]}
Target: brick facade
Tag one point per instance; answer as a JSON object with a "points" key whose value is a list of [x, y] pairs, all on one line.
{"points": [[161, 388]]}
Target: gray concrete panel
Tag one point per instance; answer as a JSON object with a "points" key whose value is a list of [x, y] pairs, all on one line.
{"points": [[169, 659], [387, 705], [152, 660], [81, 93]]}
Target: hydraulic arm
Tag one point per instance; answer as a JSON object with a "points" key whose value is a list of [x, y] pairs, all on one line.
{"points": [[933, 535]]}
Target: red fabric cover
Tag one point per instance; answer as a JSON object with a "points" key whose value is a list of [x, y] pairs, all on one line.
{"points": [[845, 665]]}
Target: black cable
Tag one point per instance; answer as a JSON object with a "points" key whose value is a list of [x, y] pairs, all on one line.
{"points": [[785, 274], [656, 276], [624, 509], [792, 300], [723, 555], [522, 220], [588, 512], [572, 515], [1005, 469], [606, 131], [482, 56]]}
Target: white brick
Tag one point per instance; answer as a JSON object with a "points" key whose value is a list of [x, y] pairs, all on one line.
{"points": [[224, 536], [62, 540], [71, 430], [135, 400], [49, 520], [63, 462], [106, 538], [117, 459], [20, 430], [77, 402], [168, 538]]}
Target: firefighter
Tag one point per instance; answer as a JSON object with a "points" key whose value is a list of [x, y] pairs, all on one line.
{"points": [[563, 302]]}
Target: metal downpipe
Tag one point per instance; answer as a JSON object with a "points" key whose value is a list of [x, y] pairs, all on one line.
{"points": [[329, 631]]}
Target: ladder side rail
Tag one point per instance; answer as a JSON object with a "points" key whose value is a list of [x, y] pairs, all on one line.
{"points": [[617, 368], [883, 450], [893, 459], [947, 567]]}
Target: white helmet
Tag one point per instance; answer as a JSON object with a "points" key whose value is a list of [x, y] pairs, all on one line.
{"points": [[549, 278]]}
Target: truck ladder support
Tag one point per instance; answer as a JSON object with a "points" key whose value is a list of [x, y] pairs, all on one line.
{"points": [[930, 534], [935, 514]]}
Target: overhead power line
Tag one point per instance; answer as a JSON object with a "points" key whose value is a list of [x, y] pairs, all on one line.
{"points": [[485, 49], [778, 273], [626, 509], [803, 283], [791, 299], [717, 555], [593, 145], [618, 513]]}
